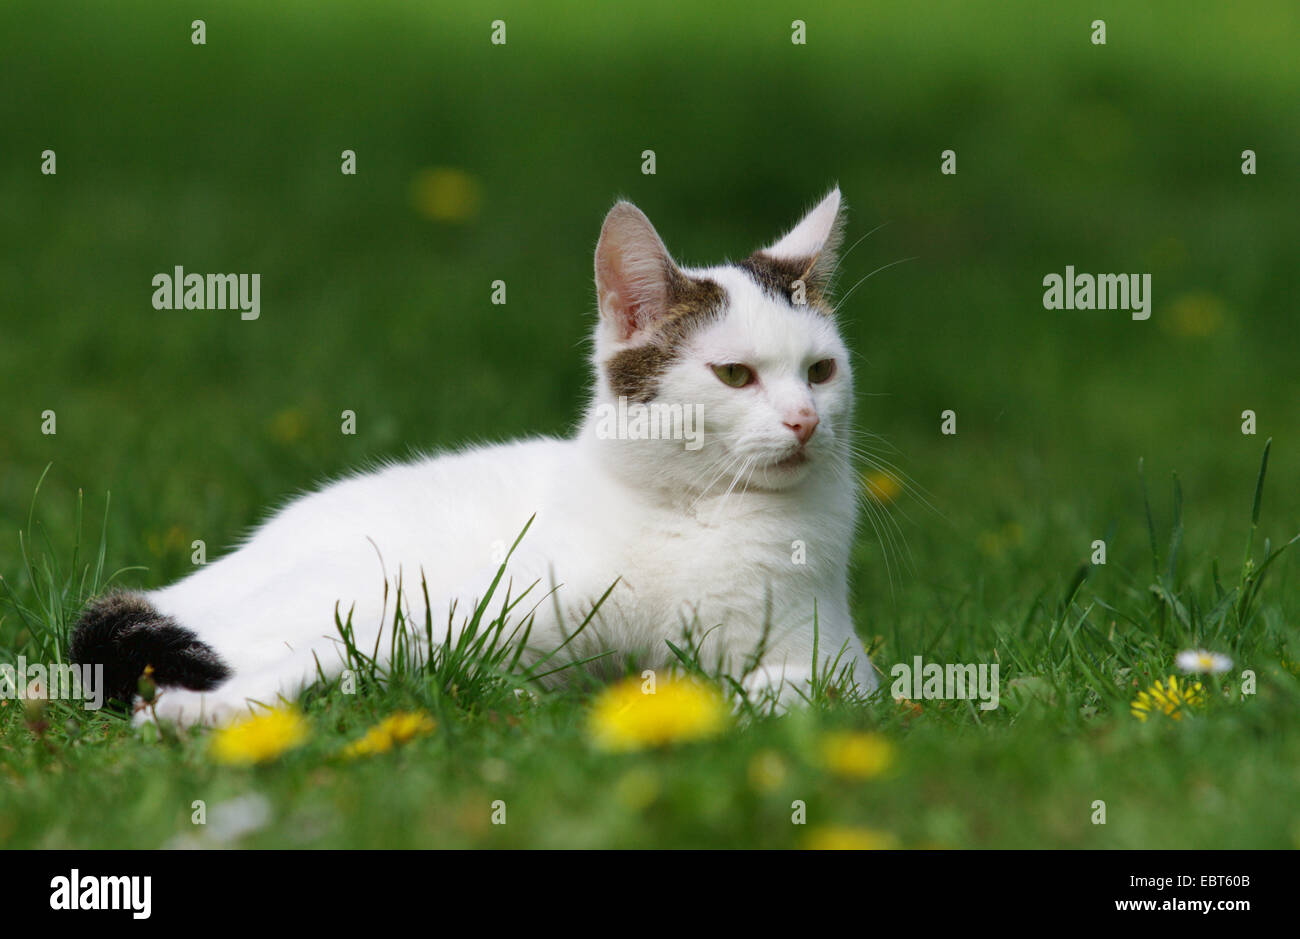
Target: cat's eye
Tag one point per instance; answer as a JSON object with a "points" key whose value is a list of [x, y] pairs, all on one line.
{"points": [[734, 374], [822, 371]]}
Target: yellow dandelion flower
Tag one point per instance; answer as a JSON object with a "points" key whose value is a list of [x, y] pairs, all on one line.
{"points": [[392, 730], [1195, 315], [882, 487], [259, 738], [627, 716], [166, 542], [1168, 697], [858, 755], [406, 725], [766, 771], [996, 543], [288, 426], [372, 744], [446, 194], [849, 838]]}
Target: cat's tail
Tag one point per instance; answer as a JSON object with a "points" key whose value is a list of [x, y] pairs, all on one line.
{"points": [[125, 634]]}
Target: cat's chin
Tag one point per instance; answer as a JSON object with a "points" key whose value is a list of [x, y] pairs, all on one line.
{"points": [[784, 472], [794, 461]]}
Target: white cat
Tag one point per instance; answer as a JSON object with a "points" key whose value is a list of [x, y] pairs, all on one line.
{"points": [[742, 534]]}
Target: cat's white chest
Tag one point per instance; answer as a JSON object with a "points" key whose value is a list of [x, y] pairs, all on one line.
{"points": [[733, 570]]}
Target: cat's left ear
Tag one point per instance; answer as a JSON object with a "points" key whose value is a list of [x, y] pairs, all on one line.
{"points": [[810, 250]]}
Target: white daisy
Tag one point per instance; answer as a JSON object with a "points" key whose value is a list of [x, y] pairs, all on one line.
{"points": [[1201, 660]]}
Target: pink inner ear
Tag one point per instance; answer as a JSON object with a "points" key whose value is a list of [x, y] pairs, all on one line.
{"points": [[632, 271], [624, 316]]}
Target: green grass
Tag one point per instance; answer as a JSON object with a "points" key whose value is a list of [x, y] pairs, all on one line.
{"points": [[1024, 774], [1122, 158]]}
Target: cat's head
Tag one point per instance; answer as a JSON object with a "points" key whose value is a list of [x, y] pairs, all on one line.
{"points": [[751, 349]]}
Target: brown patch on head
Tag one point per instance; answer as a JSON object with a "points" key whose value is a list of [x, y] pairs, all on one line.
{"points": [[692, 301], [777, 276]]}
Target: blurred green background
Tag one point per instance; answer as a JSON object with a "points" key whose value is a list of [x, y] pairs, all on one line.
{"points": [[478, 162]]}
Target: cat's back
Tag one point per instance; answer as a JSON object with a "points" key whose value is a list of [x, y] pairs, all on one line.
{"points": [[455, 497], [448, 514]]}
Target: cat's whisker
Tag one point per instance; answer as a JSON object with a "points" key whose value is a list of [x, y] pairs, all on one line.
{"points": [[745, 486], [885, 267], [726, 462], [727, 495], [905, 487], [896, 475], [897, 536], [890, 533], [876, 438], [728, 469], [884, 548], [896, 551], [843, 256], [705, 491]]}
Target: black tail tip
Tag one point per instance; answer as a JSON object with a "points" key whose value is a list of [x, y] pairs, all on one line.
{"points": [[124, 633]]}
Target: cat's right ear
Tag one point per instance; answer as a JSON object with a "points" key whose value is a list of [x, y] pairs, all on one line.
{"points": [[634, 273]]}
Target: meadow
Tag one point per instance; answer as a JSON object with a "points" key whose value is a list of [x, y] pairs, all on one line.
{"points": [[479, 162]]}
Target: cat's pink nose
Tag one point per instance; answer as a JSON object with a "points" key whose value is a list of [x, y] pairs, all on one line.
{"points": [[803, 424]]}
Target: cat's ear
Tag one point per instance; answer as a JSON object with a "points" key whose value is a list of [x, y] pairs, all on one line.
{"points": [[810, 250], [634, 272]]}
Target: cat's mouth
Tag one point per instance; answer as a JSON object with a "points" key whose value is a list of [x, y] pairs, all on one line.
{"points": [[795, 460]]}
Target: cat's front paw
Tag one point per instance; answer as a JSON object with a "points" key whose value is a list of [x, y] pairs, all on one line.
{"points": [[791, 686], [187, 708], [782, 686]]}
